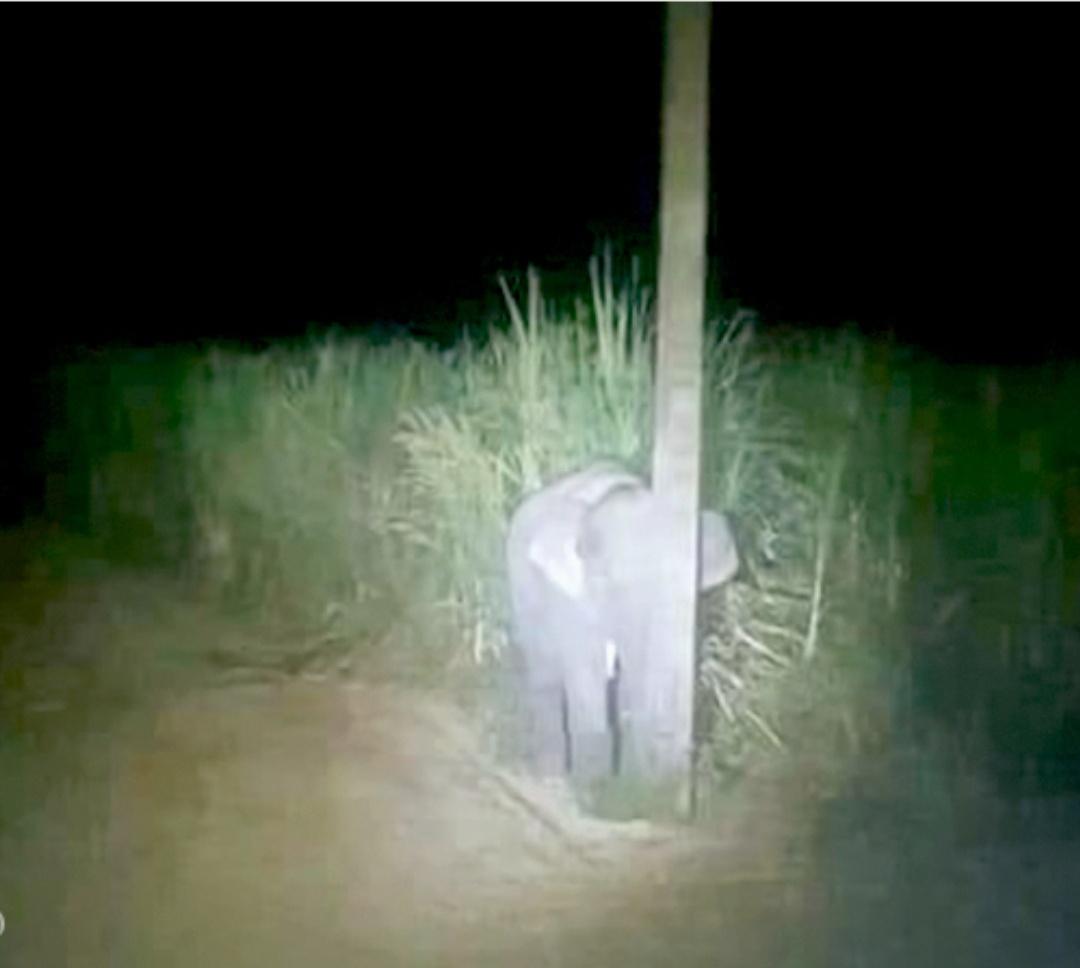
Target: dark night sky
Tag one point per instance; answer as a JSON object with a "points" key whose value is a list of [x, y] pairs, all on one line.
{"points": [[243, 171]]}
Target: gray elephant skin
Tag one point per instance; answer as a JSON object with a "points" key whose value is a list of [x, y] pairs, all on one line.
{"points": [[583, 556]]}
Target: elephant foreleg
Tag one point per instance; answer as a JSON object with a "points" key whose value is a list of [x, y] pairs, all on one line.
{"points": [[587, 720], [643, 727], [548, 739]]}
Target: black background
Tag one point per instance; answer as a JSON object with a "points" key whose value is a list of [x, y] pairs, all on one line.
{"points": [[236, 171], [245, 172]]}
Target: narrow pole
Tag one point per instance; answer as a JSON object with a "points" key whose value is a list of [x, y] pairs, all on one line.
{"points": [[677, 428]]}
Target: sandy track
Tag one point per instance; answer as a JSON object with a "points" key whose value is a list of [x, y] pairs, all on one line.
{"points": [[338, 823]]}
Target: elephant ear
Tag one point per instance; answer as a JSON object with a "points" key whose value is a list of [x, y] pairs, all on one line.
{"points": [[615, 544], [557, 547], [555, 553], [719, 557]]}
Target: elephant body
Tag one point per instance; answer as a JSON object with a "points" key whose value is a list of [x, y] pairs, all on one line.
{"points": [[584, 556]]}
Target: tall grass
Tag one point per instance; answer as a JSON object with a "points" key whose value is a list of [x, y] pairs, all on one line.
{"points": [[809, 454], [544, 397], [112, 452], [360, 492], [296, 482]]}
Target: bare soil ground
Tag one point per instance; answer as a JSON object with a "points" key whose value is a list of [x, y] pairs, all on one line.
{"points": [[160, 811], [166, 801]]}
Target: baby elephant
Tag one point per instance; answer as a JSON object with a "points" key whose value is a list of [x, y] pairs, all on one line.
{"points": [[583, 557]]}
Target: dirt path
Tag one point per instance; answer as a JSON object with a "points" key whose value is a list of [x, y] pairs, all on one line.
{"points": [[156, 811], [330, 823]]}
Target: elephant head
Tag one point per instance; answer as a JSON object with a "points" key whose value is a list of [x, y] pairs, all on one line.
{"points": [[611, 532]]}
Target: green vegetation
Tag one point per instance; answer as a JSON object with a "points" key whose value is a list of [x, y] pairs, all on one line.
{"points": [[357, 492]]}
